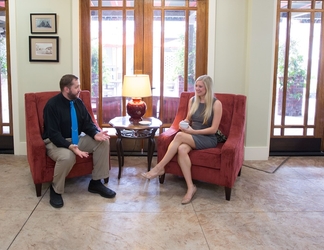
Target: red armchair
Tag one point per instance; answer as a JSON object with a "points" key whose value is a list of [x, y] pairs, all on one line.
{"points": [[220, 165], [41, 166]]}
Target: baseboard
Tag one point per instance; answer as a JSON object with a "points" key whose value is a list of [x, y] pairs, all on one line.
{"points": [[256, 153], [20, 148], [7, 151], [296, 153], [132, 153]]}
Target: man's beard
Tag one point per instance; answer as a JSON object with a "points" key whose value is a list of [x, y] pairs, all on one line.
{"points": [[72, 96]]}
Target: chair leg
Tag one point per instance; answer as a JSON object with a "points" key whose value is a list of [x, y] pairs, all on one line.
{"points": [[228, 193], [161, 178], [239, 173], [38, 188], [106, 180]]}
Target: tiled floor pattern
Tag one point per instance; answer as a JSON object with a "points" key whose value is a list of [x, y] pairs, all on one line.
{"points": [[270, 166], [280, 210]]}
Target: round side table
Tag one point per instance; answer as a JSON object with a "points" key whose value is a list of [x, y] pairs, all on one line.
{"points": [[143, 130]]}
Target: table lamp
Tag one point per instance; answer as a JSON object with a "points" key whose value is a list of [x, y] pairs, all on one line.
{"points": [[136, 87]]}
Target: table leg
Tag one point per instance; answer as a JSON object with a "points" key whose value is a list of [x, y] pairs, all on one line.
{"points": [[150, 149], [122, 153], [119, 155]]}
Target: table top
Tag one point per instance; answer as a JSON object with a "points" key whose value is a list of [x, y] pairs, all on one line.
{"points": [[122, 122]]}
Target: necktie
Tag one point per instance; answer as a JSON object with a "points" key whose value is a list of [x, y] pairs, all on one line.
{"points": [[74, 124]]}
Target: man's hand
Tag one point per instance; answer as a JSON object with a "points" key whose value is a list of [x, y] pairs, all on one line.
{"points": [[74, 148], [102, 136]]}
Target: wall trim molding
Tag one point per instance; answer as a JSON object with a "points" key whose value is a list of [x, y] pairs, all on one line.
{"points": [[256, 153]]}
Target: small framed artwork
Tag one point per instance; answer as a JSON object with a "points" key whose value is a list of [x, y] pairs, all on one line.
{"points": [[43, 48], [43, 23]]}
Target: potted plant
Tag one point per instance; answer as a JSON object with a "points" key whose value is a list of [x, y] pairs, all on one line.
{"points": [[294, 82]]}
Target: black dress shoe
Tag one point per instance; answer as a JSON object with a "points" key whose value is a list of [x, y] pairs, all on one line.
{"points": [[99, 188], [55, 199]]}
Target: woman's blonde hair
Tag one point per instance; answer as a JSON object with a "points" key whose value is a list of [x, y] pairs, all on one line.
{"points": [[208, 82]]}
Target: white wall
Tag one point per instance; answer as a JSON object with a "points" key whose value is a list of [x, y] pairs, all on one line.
{"points": [[259, 77], [230, 38], [39, 76], [241, 45]]}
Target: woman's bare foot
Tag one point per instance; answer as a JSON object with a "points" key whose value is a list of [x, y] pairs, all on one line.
{"points": [[189, 195], [154, 172]]}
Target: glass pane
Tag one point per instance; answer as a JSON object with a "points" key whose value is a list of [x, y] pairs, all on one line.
{"points": [[299, 4], [293, 131], [3, 70], [174, 62], [94, 62], [129, 44], [156, 78], [6, 130], [193, 3], [112, 3], [280, 68], [94, 3], [157, 3], [284, 4], [174, 49], [318, 4], [276, 131], [314, 69], [4, 98], [112, 64], [192, 51], [297, 69], [130, 3], [175, 3], [310, 132], [293, 81]]}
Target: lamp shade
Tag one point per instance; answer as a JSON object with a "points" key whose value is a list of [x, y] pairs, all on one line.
{"points": [[136, 86]]}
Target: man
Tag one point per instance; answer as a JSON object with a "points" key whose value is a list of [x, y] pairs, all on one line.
{"points": [[66, 137]]}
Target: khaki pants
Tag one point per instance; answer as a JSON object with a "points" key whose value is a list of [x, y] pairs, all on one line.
{"points": [[65, 159]]}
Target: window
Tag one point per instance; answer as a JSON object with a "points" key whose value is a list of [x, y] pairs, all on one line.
{"points": [[298, 79], [163, 39]]}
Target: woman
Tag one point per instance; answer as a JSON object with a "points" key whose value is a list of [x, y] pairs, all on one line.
{"points": [[204, 116]]}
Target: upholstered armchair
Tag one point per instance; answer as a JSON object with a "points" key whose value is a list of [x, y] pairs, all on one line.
{"points": [[220, 165], [41, 166]]}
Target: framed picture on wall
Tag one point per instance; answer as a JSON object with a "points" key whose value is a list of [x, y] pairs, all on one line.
{"points": [[43, 23], [43, 48]]}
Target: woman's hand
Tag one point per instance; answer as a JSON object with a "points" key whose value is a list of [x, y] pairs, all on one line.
{"points": [[186, 130]]}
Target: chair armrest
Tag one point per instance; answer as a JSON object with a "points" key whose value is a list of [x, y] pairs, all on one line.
{"points": [[232, 144], [36, 154], [167, 136], [232, 155], [36, 150], [232, 152]]}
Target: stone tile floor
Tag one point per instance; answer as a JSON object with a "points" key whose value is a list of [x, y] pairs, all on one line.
{"points": [[281, 210]]}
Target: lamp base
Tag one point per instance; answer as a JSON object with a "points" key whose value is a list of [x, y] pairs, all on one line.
{"points": [[136, 108]]}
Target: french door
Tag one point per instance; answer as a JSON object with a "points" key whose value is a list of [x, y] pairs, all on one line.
{"points": [[163, 39], [298, 103], [6, 126]]}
